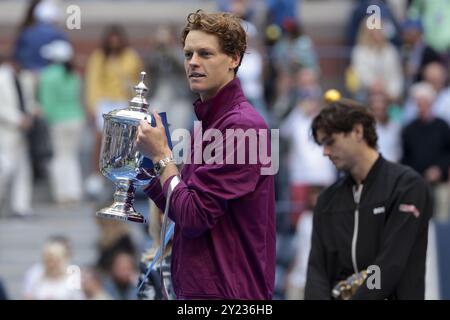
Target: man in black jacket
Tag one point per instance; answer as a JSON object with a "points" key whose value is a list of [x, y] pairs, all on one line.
{"points": [[373, 220]]}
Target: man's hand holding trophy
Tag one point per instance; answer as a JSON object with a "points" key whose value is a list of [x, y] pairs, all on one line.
{"points": [[120, 160]]}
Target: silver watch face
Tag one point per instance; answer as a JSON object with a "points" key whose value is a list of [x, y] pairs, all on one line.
{"points": [[157, 167]]}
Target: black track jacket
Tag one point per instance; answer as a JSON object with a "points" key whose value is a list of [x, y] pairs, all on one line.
{"points": [[388, 229]]}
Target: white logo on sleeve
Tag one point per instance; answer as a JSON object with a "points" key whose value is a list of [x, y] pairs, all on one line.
{"points": [[409, 208], [379, 210]]}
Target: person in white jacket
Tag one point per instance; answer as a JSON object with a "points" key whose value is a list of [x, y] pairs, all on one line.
{"points": [[17, 107]]}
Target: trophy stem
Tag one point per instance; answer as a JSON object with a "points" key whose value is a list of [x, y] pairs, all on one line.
{"points": [[122, 207]]}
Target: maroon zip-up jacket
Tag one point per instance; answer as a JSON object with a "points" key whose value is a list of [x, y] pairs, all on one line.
{"points": [[224, 214]]}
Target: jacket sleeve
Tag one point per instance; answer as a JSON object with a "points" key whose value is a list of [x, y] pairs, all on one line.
{"points": [[200, 199], [154, 191], [197, 204], [317, 280], [407, 220]]}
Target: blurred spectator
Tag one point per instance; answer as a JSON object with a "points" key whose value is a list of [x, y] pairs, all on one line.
{"points": [[293, 51], [279, 11], [417, 53], [426, 140], [122, 281], [92, 285], [244, 9], [305, 82], [296, 278], [114, 237], [436, 22], [51, 281], [391, 28], [18, 107], [388, 130], [307, 165], [251, 73], [165, 66], [36, 271], [38, 29], [59, 92], [377, 65], [435, 74], [111, 73]]}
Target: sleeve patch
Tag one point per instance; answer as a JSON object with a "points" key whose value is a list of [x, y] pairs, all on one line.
{"points": [[409, 208]]}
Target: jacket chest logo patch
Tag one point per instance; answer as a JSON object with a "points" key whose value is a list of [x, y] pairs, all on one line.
{"points": [[378, 210], [409, 208]]}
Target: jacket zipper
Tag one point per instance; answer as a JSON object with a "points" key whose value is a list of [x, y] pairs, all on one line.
{"points": [[356, 197]]}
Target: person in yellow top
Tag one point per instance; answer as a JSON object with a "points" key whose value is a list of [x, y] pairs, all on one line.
{"points": [[111, 72]]}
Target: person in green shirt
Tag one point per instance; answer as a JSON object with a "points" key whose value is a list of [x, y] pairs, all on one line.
{"points": [[59, 93], [436, 21]]}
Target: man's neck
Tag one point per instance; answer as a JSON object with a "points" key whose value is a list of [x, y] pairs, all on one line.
{"points": [[363, 165]]}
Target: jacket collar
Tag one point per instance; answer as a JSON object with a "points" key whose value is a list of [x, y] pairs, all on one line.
{"points": [[230, 95], [372, 172]]}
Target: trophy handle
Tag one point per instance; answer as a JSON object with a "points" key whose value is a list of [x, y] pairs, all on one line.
{"points": [[122, 207]]}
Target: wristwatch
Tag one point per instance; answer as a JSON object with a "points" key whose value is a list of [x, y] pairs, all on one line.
{"points": [[159, 166]]}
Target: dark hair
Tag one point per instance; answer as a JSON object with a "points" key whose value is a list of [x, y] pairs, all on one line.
{"points": [[341, 117], [29, 18], [113, 30], [226, 26]]}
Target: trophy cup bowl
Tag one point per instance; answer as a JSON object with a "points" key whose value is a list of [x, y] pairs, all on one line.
{"points": [[120, 161]]}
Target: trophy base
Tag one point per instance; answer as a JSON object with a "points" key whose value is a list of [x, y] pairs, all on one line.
{"points": [[112, 213], [122, 208]]}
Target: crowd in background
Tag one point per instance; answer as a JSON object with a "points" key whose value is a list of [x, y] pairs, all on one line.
{"points": [[400, 71]]}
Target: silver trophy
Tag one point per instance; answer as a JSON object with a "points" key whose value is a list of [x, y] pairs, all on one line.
{"points": [[120, 161]]}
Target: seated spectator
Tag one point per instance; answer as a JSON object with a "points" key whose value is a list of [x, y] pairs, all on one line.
{"points": [[92, 285], [359, 13], [436, 22], [294, 51], [388, 130], [376, 64], [426, 146], [416, 52], [121, 284], [53, 281], [36, 271], [435, 74], [114, 237]]}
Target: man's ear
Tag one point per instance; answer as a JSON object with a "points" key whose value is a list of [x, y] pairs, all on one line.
{"points": [[358, 130], [235, 59]]}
